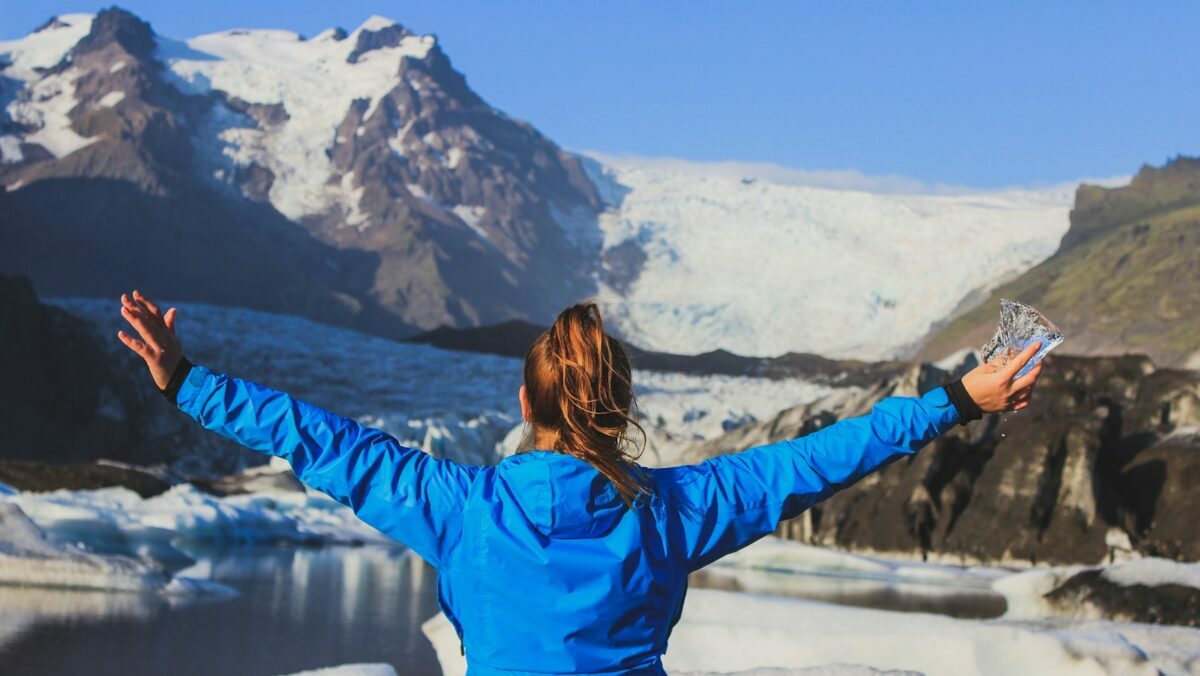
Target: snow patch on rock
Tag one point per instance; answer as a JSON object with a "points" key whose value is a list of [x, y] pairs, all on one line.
{"points": [[44, 105], [44, 48], [111, 99]]}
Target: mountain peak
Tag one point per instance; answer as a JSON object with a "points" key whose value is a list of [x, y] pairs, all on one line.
{"points": [[377, 33], [377, 23], [60, 21], [116, 25]]}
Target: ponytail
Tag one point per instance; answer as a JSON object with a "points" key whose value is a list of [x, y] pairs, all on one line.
{"points": [[579, 385]]}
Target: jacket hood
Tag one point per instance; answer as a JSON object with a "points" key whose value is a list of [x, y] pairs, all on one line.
{"points": [[561, 495]]}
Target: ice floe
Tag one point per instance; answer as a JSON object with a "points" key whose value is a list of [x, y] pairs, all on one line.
{"points": [[28, 558], [161, 527]]}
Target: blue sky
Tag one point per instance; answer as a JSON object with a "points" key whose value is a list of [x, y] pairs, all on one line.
{"points": [[971, 93]]}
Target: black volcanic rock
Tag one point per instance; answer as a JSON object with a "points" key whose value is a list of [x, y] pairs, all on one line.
{"points": [[77, 476], [71, 397], [1159, 484], [115, 25], [1047, 485], [369, 40], [59, 400], [513, 338], [507, 339], [1155, 604]]}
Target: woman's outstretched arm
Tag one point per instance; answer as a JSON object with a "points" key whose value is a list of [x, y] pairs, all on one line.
{"points": [[404, 492], [728, 502]]}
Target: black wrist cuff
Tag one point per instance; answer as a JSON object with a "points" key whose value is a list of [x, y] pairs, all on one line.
{"points": [[968, 410], [171, 391]]}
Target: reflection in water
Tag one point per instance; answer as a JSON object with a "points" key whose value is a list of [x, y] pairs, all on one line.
{"points": [[308, 608], [298, 609], [850, 589]]}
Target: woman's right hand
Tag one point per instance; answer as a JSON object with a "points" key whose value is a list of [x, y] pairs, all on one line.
{"points": [[158, 347], [992, 387]]}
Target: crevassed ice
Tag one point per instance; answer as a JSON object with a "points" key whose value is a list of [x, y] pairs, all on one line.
{"points": [[1020, 327]]}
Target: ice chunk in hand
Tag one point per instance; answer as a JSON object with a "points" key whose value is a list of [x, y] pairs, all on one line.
{"points": [[1021, 326]]}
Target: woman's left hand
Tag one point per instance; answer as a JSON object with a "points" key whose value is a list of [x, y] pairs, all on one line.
{"points": [[992, 387]]}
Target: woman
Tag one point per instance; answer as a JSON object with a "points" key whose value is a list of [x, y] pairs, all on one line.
{"points": [[571, 558]]}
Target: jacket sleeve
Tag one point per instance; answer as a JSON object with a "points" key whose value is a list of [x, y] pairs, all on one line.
{"points": [[728, 502], [407, 494]]}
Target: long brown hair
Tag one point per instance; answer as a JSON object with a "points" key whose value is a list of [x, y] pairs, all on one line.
{"points": [[579, 387]]}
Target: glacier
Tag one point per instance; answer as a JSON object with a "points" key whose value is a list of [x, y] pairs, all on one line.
{"points": [[459, 405], [761, 267]]}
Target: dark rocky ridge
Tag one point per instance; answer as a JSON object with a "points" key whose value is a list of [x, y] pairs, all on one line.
{"points": [[69, 397], [77, 476], [368, 40], [1109, 445], [1089, 592], [513, 338]]}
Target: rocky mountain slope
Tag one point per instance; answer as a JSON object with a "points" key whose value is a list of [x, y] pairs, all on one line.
{"points": [[1126, 277], [59, 398], [353, 177], [1106, 458]]}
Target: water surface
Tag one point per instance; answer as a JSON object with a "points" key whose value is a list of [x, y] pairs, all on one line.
{"points": [[298, 609]]}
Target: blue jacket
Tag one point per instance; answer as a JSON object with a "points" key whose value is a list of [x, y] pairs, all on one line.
{"points": [[541, 567]]}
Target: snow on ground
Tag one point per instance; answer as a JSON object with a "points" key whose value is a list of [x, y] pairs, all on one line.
{"points": [[763, 268], [794, 634], [826, 670], [1153, 572], [777, 635], [311, 79], [774, 554]]}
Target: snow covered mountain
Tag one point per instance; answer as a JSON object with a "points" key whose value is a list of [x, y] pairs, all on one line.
{"points": [[354, 178], [350, 177]]}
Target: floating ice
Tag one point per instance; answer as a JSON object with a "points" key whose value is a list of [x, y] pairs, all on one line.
{"points": [[162, 527], [1020, 327], [29, 559]]}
